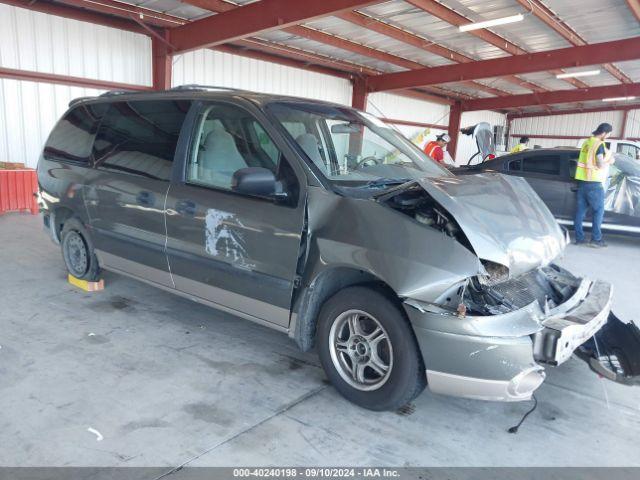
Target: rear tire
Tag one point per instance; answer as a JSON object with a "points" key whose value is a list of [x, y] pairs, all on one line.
{"points": [[77, 251], [368, 350]]}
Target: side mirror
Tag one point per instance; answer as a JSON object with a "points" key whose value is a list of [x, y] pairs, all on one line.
{"points": [[257, 181]]}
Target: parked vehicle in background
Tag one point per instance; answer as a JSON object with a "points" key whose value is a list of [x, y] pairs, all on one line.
{"points": [[551, 171], [321, 222], [624, 147]]}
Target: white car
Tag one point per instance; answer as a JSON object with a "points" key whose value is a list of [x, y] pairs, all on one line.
{"points": [[626, 147]]}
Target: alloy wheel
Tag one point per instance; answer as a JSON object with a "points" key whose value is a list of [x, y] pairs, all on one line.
{"points": [[361, 350]]}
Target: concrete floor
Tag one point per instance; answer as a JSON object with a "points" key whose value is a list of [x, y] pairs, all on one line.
{"points": [[166, 381]]}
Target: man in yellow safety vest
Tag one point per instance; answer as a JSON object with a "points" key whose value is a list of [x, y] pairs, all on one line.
{"points": [[523, 145], [591, 173]]}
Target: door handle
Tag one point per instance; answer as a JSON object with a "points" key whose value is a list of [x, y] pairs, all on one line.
{"points": [[186, 207], [145, 198], [574, 188]]}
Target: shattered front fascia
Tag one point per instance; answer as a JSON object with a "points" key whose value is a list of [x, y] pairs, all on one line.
{"points": [[431, 263], [497, 352]]}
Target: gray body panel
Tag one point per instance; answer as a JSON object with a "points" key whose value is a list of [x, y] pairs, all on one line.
{"points": [[414, 261], [127, 219], [276, 263], [503, 218], [235, 251]]}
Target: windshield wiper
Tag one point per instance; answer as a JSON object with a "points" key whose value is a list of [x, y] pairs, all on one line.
{"points": [[383, 182]]}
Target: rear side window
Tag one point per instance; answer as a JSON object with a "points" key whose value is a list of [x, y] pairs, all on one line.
{"points": [[72, 137], [514, 165], [545, 164], [140, 137]]}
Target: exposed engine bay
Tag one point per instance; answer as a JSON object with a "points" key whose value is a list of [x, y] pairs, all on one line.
{"points": [[493, 292], [416, 203], [613, 352]]}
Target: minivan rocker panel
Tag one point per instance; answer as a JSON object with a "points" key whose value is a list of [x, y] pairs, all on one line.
{"points": [[398, 282]]}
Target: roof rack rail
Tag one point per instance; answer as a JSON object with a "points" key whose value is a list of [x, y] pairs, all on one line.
{"points": [[78, 100], [204, 88], [112, 93]]}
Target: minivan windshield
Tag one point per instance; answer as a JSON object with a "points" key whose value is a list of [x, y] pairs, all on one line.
{"points": [[352, 148]]}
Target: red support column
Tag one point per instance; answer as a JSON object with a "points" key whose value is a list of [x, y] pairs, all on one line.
{"points": [[623, 128], [161, 62], [359, 101], [455, 114], [360, 94]]}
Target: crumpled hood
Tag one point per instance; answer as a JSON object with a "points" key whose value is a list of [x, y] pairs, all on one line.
{"points": [[503, 218]]}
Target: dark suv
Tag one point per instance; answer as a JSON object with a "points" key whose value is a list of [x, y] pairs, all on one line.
{"points": [[322, 222]]}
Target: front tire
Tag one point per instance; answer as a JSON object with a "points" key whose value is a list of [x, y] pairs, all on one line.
{"points": [[368, 350], [77, 251]]}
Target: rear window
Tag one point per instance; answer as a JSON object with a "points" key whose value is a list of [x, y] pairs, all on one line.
{"points": [[140, 137], [545, 164], [72, 137]]}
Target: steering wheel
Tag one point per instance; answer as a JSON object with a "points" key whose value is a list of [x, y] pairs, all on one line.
{"points": [[368, 162]]}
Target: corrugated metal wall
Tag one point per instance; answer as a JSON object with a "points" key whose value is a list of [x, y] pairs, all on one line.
{"points": [[209, 67], [398, 107], [28, 112], [45, 43], [633, 124], [39, 42], [577, 124], [404, 108]]}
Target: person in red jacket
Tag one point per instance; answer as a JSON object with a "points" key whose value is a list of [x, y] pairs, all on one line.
{"points": [[435, 148]]}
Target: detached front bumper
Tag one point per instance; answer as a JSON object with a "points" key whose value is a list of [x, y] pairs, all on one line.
{"points": [[501, 357]]}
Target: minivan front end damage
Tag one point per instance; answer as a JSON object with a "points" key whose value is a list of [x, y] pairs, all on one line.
{"points": [[490, 335], [502, 356]]}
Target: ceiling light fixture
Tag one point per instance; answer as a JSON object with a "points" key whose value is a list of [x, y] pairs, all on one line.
{"points": [[618, 99], [584, 73], [491, 23]]}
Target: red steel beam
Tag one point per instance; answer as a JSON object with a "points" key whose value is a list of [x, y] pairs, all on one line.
{"points": [[455, 116], [573, 111], [359, 94], [68, 80], [547, 16], [77, 14], [634, 5], [396, 33], [121, 9], [253, 19], [427, 97], [123, 19], [297, 58], [565, 137], [161, 63], [623, 128], [274, 55], [304, 57], [454, 18], [411, 123], [344, 44], [559, 96], [333, 66], [220, 6], [378, 26], [616, 51]]}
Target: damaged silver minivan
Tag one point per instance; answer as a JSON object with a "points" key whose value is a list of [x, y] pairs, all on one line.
{"points": [[322, 222]]}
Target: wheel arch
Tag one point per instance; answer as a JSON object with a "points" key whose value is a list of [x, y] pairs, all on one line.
{"points": [[59, 216], [326, 284]]}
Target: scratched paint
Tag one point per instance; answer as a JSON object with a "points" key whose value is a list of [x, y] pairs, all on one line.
{"points": [[222, 239], [492, 347]]}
